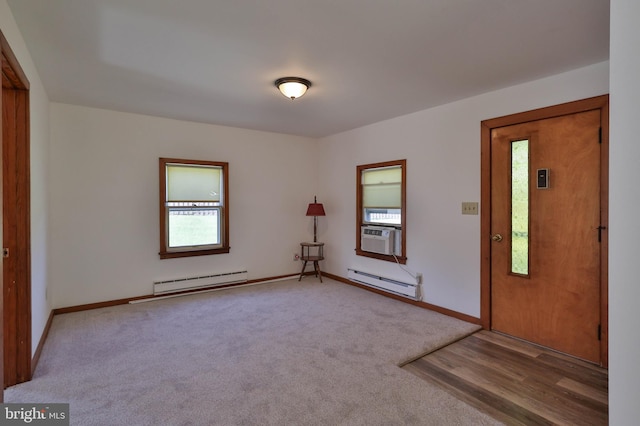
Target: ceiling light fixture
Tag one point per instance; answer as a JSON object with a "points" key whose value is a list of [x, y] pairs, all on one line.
{"points": [[292, 87]]}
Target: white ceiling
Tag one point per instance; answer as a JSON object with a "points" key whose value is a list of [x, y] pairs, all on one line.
{"points": [[215, 61]]}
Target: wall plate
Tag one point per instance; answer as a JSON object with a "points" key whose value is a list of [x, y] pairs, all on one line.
{"points": [[469, 207]]}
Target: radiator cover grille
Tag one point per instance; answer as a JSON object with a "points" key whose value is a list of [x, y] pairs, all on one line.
{"points": [[198, 282], [410, 290]]}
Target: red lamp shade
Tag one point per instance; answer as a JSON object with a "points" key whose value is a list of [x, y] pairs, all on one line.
{"points": [[315, 209]]}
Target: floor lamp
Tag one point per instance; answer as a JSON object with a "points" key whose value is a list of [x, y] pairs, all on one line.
{"points": [[315, 209]]}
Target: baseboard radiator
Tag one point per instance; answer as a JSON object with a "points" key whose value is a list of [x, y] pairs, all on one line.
{"points": [[411, 290], [202, 281]]}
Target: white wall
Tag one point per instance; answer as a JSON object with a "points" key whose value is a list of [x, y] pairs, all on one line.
{"points": [[624, 223], [442, 148], [39, 135], [103, 197], [104, 201]]}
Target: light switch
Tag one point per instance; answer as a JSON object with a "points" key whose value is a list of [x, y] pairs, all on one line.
{"points": [[469, 207]]}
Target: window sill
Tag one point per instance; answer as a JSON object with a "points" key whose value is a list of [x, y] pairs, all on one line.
{"points": [[401, 259], [191, 253]]}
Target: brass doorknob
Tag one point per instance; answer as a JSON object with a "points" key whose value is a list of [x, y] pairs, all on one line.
{"points": [[497, 238]]}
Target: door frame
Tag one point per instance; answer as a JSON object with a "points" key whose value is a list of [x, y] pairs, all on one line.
{"points": [[16, 212], [596, 103]]}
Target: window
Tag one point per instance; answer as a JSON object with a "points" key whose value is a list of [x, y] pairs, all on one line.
{"points": [[381, 190], [194, 215], [520, 207]]}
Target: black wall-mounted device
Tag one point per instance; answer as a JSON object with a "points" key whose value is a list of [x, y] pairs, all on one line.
{"points": [[543, 179]]}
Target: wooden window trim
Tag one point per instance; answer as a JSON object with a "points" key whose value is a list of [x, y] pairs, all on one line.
{"points": [[403, 215], [224, 237]]}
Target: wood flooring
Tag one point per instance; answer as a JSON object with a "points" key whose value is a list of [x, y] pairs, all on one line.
{"points": [[518, 383]]}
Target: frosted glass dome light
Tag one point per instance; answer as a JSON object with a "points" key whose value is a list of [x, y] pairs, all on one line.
{"points": [[292, 87]]}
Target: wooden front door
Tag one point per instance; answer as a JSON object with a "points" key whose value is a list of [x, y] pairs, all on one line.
{"points": [[546, 232]]}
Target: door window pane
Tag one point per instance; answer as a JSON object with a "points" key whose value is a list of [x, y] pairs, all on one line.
{"points": [[520, 207]]}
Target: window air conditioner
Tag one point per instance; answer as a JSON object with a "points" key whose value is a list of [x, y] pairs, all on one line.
{"points": [[377, 239]]}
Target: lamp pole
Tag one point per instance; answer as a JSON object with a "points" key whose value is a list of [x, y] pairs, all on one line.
{"points": [[315, 227]]}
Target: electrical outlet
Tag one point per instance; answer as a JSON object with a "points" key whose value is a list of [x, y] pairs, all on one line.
{"points": [[469, 207]]}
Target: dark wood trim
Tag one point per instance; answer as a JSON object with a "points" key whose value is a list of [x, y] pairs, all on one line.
{"points": [[485, 226], [595, 103], [43, 338], [589, 104], [275, 278], [98, 305], [11, 68], [164, 252], [401, 259], [2, 337], [435, 308], [604, 247], [359, 219], [192, 253], [16, 217], [109, 303], [162, 195]]}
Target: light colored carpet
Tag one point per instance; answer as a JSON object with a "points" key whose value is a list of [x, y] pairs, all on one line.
{"points": [[283, 353]]}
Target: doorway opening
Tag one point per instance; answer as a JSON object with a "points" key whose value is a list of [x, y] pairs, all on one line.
{"points": [[16, 235]]}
